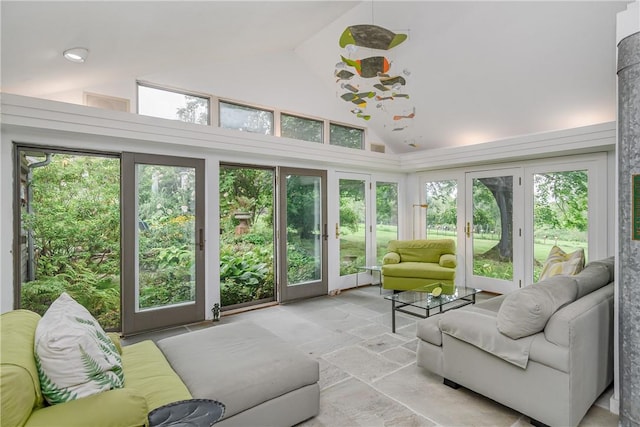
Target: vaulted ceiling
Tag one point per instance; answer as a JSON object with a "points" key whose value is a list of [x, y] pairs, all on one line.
{"points": [[475, 71]]}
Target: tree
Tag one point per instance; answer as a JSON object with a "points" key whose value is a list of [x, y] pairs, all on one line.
{"points": [[501, 187]]}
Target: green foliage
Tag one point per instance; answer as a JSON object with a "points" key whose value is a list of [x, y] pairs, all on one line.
{"points": [[493, 268], [50, 390], [246, 270]]}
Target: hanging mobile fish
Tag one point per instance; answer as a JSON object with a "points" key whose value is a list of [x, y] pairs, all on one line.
{"points": [[344, 75], [368, 67], [408, 116], [381, 87], [370, 36], [347, 86], [390, 81]]}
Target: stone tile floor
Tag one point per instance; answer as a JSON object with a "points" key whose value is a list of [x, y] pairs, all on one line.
{"points": [[368, 375]]}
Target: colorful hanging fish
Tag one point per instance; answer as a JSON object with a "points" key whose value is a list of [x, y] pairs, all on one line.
{"points": [[368, 67], [371, 36], [344, 75]]}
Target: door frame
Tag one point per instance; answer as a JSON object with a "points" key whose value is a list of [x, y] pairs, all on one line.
{"points": [[316, 288], [488, 283], [350, 280], [133, 320]]}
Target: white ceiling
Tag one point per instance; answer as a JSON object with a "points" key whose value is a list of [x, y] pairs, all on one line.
{"points": [[479, 71]]}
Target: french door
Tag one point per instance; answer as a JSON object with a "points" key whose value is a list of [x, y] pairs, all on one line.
{"points": [[493, 230], [353, 230], [302, 233], [162, 241]]}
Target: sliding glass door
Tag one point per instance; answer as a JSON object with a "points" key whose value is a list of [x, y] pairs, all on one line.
{"points": [[163, 241]]}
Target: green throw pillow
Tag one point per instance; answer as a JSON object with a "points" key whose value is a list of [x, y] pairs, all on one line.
{"points": [[74, 356], [391, 258]]}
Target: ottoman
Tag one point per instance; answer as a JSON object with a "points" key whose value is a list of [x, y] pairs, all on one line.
{"points": [[261, 379]]}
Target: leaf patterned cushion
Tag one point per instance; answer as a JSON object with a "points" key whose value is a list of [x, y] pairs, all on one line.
{"points": [[74, 356]]}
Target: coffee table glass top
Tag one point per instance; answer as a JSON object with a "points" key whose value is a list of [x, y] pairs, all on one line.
{"points": [[427, 301]]}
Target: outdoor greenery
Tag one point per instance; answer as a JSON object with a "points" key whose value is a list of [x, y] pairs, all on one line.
{"points": [[71, 208], [560, 218], [71, 214], [246, 255]]}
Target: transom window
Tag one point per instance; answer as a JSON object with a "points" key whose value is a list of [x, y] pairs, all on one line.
{"points": [[245, 118], [173, 105], [346, 136], [194, 108], [301, 128]]}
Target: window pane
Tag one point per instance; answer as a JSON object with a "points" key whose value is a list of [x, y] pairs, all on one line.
{"points": [[301, 128], [442, 209], [353, 236], [345, 136], [248, 119], [386, 217], [172, 105], [560, 212]]}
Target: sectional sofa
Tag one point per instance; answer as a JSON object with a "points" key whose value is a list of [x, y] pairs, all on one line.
{"points": [[261, 380], [545, 350]]}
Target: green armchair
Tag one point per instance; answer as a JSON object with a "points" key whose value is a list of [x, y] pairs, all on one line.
{"points": [[424, 264]]}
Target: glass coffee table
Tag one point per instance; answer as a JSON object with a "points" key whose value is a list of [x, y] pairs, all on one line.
{"points": [[424, 304]]}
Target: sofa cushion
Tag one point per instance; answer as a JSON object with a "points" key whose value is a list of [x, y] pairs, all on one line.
{"points": [[448, 261], [19, 384], [426, 270], [608, 263], [479, 329], [114, 408], [74, 356], [239, 364], [429, 330], [428, 250], [527, 310], [561, 263], [149, 374], [391, 258], [594, 276]]}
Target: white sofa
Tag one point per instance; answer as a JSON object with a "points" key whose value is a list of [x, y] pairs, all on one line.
{"points": [[560, 360]]}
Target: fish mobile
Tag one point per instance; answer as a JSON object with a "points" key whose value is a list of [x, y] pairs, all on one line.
{"points": [[369, 77]]}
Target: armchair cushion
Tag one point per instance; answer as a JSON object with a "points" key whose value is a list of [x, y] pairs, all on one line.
{"points": [[448, 260], [391, 258]]}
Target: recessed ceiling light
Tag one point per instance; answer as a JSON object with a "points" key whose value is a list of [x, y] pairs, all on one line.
{"points": [[76, 54]]}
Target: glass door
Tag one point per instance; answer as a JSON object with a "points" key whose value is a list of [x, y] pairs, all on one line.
{"points": [[352, 230], [386, 217], [492, 229], [302, 233], [163, 241]]}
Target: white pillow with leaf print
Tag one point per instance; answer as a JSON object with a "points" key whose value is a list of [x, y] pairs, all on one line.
{"points": [[74, 356]]}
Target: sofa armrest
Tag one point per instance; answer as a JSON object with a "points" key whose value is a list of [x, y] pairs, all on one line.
{"points": [[113, 408], [448, 260], [391, 258]]}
